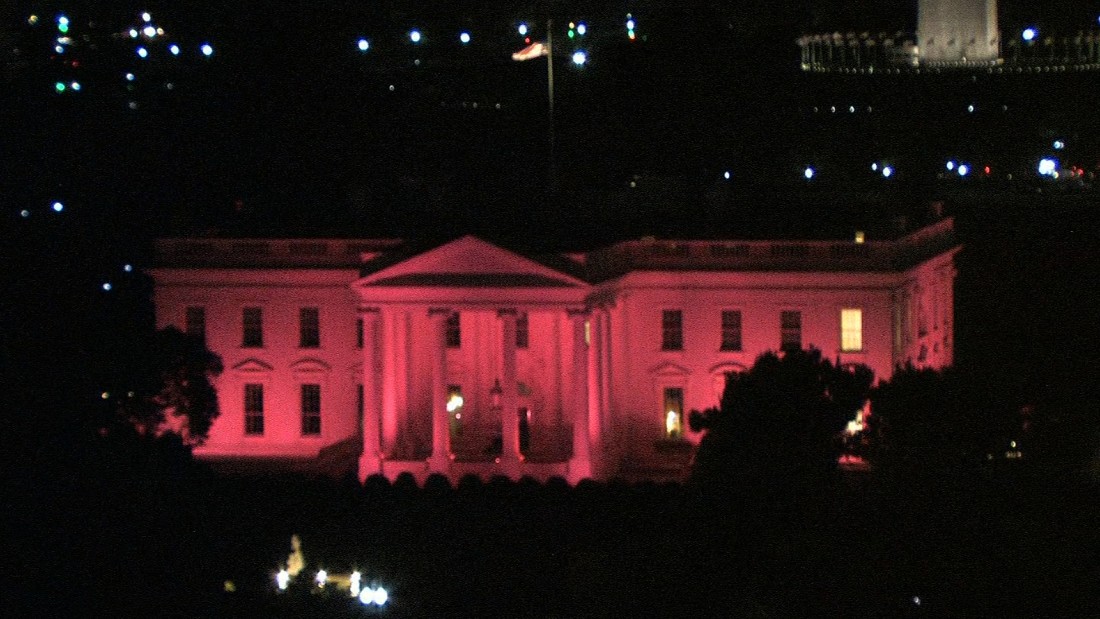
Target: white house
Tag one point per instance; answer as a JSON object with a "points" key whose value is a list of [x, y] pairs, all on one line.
{"points": [[470, 358]]}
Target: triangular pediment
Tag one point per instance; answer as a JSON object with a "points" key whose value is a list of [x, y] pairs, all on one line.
{"points": [[470, 262], [252, 366]]}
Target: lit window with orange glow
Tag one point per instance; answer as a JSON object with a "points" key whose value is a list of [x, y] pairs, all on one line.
{"points": [[674, 412], [851, 330]]}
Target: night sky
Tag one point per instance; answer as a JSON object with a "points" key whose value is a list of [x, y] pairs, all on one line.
{"points": [[287, 128]]}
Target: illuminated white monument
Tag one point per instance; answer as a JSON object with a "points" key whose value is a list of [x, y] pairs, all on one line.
{"points": [[957, 31]]}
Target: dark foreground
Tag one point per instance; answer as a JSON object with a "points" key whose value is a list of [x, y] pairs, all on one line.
{"points": [[164, 543]]}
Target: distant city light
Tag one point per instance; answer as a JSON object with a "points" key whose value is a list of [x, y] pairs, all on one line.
{"points": [[464, 37], [106, 286], [141, 51], [970, 108], [149, 31], [59, 49], [207, 50], [174, 49], [59, 87], [363, 45], [354, 583], [808, 172], [964, 169], [1029, 34], [522, 30], [62, 24], [414, 36], [32, 20], [128, 268], [282, 579], [25, 213], [630, 24], [582, 29], [133, 33], [1059, 144], [104, 395], [146, 17], [380, 597], [129, 77], [75, 86], [726, 175], [58, 207], [887, 171], [579, 58], [950, 166], [322, 578], [1048, 166], [874, 167]]}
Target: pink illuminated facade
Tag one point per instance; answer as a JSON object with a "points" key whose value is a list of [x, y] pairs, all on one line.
{"points": [[470, 358]]}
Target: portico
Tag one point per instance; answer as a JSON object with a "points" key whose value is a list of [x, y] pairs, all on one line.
{"points": [[474, 360]]}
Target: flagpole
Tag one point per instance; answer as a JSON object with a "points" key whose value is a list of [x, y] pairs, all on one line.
{"points": [[552, 174]]}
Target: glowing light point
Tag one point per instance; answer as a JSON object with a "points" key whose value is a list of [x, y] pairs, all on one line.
{"points": [[59, 49], [464, 37], [174, 49], [808, 173], [62, 24], [887, 171], [59, 87], [322, 578], [282, 579], [522, 30], [874, 167], [128, 268], [630, 24], [964, 169], [133, 33], [970, 108], [381, 596], [355, 578], [579, 58], [1048, 166], [144, 53], [129, 77], [916, 600], [1029, 34], [366, 596], [149, 31], [207, 50], [146, 17], [950, 166], [363, 45], [25, 213], [104, 395], [582, 29], [414, 36], [106, 286], [58, 207], [32, 20], [726, 175], [1059, 144], [75, 86]]}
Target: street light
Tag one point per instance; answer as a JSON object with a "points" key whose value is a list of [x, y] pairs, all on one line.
{"points": [[579, 58]]}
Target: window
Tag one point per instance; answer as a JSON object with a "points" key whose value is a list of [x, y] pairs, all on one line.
{"points": [[790, 324], [522, 330], [311, 410], [731, 330], [309, 327], [454, 330], [674, 412], [851, 330], [254, 409], [672, 330], [253, 328], [195, 322], [358, 332]]}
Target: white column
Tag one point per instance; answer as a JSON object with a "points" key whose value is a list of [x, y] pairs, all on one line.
{"points": [[370, 461], [510, 455], [390, 424], [580, 466], [440, 461]]}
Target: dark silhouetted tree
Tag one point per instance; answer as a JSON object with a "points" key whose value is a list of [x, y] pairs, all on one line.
{"points": [[925, 423], [779, 423], [175, 394]]}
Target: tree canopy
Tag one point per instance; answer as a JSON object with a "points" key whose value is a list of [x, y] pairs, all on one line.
{"points": [[175, 395], [779, 421]]}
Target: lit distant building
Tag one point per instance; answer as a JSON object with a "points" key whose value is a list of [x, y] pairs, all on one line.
{"points": [[470, 358], [957, 31]]}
